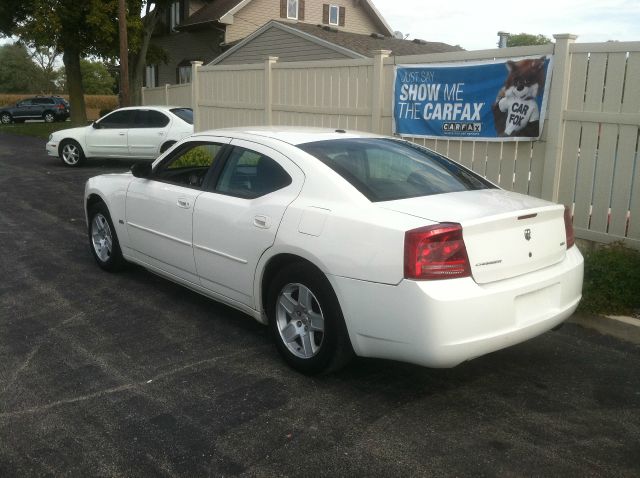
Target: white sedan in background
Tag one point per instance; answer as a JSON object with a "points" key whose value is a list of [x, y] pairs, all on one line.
{"points": [[343, 243], [136, 132]]}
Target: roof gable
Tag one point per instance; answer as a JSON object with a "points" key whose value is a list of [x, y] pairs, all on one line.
{"points": [[351, 45]]}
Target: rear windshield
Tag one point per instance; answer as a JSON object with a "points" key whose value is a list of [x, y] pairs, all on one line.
{"points": [[387, 169], [185, 114]]}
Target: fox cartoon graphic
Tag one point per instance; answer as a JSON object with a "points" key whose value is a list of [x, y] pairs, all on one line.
{"points": [[515, 110]]}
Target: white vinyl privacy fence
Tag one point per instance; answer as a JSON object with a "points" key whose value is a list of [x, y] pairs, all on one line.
{"points": [[586, 158]]}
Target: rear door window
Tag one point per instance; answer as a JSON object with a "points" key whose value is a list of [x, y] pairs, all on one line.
{"points": [[249, 174], [150, 119]]}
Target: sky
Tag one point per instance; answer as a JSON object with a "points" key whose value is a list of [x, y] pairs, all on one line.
{"points": [[474, 24]]}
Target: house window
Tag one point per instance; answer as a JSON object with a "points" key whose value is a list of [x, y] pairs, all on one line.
{"points": [[184, 74], [334, 15], [175, 15], [292, 9], [151, 76]]}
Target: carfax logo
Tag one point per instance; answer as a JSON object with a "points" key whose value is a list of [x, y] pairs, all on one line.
{"points": [[462, 127]]}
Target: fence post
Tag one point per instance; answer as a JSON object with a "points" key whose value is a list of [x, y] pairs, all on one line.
{"points": [[195, 72], [376, 89], [142, 96], [558, 96], [166, 94], [268, 89]]}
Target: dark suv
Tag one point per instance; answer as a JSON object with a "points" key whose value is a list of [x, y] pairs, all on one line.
{"points": [[47, 108]]}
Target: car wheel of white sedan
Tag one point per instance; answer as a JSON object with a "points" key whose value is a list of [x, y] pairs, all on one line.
{"points": [[71, 153], [103, 239], [306, 321]]}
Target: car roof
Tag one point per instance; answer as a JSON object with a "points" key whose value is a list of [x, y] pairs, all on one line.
{"points": [[294, 135], [152, 107]]}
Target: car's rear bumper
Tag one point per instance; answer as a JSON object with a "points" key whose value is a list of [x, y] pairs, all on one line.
{"points": [[443, 323]]}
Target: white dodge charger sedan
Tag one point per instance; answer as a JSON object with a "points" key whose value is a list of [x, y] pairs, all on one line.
{"points": [[343, 243], [141, 132]]}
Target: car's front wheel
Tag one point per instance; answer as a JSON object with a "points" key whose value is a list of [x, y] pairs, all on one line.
{"points": [[5, 118], [103, 240], [306, 320], [49, 117], [71, 153]]}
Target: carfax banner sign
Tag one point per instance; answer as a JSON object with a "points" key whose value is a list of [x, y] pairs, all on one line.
{"points": [[498, 100]]}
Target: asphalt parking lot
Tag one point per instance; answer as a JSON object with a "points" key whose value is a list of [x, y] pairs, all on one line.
{"points": [[130, 375]]}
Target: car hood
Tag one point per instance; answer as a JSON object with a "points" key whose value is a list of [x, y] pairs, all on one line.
{"points": [[70, 132]]}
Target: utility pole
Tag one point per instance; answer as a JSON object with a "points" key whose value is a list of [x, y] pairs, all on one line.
{"points": [[124, 55]]}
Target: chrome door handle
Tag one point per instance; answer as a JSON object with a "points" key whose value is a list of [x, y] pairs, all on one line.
{"points": [[184, 203], [122, 134]]}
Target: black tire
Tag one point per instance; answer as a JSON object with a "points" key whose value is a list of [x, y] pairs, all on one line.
{"points": [[166, 146], [5, 118], [70, 153], [48, 117], [100, 228], [333, 347]]}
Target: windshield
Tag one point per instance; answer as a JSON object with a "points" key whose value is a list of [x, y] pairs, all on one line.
{"points": [[185, 114], [387, 169]]}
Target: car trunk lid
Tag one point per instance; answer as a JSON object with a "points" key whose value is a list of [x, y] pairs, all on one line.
{"points": [[506, 234]]}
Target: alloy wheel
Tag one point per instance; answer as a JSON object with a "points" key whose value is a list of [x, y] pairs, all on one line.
{"points": [[70, 154], [101, 237], [300, 320]]}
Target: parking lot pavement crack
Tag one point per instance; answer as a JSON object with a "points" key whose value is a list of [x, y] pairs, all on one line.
{"points": [[138, 386]]}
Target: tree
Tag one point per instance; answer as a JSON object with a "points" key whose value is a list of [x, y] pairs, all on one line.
{"points": [[76, 29], [18, 74], [527, 39], [96, 78]]}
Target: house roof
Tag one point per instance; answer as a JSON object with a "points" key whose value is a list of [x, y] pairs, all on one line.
{"points": [[365, 44], [222, 10], [210, 13], [352, 45]]}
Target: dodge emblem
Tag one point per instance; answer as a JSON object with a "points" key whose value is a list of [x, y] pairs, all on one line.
{"points": [[527, 234]]}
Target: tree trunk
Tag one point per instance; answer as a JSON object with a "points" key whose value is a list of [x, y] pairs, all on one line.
{"points": [[71, 59], [139, 60]]}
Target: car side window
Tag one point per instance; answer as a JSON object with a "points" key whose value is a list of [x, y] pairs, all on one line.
{"points": [[150, 119], [117, 119], [24, 103], [189, 164], [248, 174]]}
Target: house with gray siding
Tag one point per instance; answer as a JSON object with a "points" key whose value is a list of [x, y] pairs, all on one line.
{"points": [[204, 29], [306, 42]]}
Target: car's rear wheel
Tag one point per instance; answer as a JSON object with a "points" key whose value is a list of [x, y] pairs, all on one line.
{"points": [[71, 153], [103, 240], [49, 117], [306, 320], [5, 118]]}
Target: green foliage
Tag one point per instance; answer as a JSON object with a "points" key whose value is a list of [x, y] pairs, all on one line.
{"points": [[198, 156], [96, 78], [526, 39], [18, 74], [611, 280]]}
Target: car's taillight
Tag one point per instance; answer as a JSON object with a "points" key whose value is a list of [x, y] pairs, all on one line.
{"points": [[435, 252], [568, 227]]}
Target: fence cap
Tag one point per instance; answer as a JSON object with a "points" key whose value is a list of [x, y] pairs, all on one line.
{"points": [[565, 36]]}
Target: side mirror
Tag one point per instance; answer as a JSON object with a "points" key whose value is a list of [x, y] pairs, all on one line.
{"points": [[141, 170], [96, 125]]}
